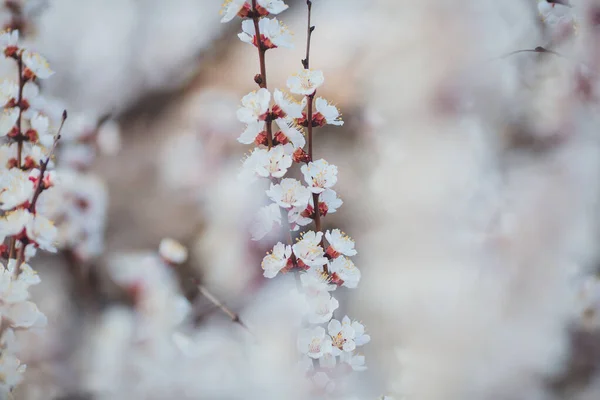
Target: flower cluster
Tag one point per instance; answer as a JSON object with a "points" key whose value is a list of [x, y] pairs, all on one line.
{"points": [[281, 128], [27, 144]]}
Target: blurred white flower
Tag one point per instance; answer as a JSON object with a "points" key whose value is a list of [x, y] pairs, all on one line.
{"points": [[108, 138], [14, 222], [42, 232], [328, 361], [39, 130], [9, 41], [172, 251], [322, 381], [305, 82], [314, 342], [36, 65], [11, 371], [356, 361], [264, 220], [8, 119], [9, 90], [321, 307], [15, 188]]}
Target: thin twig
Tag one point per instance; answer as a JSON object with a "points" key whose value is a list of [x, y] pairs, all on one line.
{"points": [[44, 165], [309, 31], [538, 49], [213, 299], [262, 80]]}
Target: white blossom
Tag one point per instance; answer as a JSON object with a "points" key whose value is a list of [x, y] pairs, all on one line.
{"points": [[253, 129], [308, 250], [314, 342], [9, 90], [231, 8], [8, 119], [172, 251], [273, 33], [14, 222], [11, 370], [326, 113], [305, 82], [315, 281], [360, 337], [15, 188], [339, 243], [344, 272], [346, 335], [329, 202], [276, 260], [43, 232], [342, 336], [264, 221], [273, 6], [273, 162], [9, 39], [254, 106], [37, 64], [319, 175], [285, 106], [40, 125], [290, 132], [289, 193]]}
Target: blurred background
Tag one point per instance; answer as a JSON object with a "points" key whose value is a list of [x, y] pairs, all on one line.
{"points": [[469, 168]]}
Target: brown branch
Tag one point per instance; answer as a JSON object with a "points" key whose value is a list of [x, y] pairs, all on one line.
{"points": [[309, 31], [262, 79]]}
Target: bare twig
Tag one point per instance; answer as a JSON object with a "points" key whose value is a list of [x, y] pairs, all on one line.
{"points": [[213, 299], [44, 165]]}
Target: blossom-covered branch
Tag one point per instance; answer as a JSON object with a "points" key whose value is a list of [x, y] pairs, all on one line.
{"points": [[328, 346]]}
